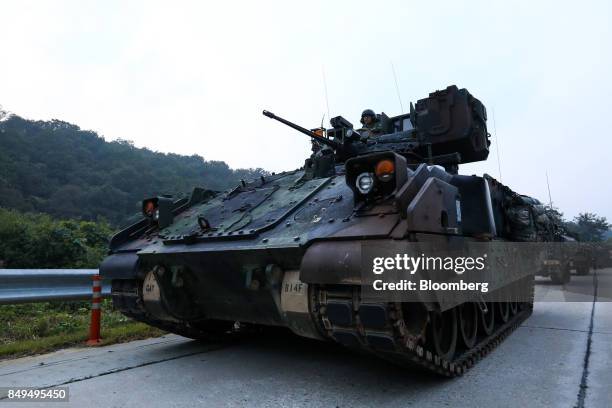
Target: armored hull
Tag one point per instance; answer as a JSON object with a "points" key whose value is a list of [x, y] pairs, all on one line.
{"points": [[287, 250]]}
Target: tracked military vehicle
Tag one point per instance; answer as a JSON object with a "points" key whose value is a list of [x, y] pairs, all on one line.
{"points": [[563, 253], [285, 249]]}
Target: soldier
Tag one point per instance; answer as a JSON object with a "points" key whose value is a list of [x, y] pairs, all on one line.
{"points": [[370, 122]]}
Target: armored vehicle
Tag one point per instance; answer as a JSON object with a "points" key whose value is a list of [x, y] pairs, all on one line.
{"points": [[557, 263], [285, 249], [583, 258], [564, 253]]}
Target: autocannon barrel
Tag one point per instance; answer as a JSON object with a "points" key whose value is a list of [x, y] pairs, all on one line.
{"points": [[320, 139]]}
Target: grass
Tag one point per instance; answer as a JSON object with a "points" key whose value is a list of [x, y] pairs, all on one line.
{"points": [[41, 327]]}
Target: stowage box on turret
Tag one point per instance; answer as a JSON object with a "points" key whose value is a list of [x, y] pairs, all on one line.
{"points": [[281, 250]]}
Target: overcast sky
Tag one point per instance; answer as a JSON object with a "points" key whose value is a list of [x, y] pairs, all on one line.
{"points": [[193, 77]]}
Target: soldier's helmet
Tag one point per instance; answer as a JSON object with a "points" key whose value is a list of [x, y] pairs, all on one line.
{"points": [[367, 112]]}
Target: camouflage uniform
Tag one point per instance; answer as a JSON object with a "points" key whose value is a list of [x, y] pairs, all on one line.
{"points": [[375, 127]]}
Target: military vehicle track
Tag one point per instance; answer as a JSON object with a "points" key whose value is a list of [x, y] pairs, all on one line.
{"points": [[375, 328], [381, 331]]}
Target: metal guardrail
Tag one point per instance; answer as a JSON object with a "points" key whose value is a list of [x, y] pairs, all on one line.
{"points": [[42, 285]]}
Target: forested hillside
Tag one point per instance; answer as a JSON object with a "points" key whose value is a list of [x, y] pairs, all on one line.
{"points": [[55, 167], [39, 241]]}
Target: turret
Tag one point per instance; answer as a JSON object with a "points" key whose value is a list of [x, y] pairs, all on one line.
{"points": [[446, 128]]}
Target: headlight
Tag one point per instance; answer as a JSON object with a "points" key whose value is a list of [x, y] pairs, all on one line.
{"points": [[376, 176], [364, 183]]}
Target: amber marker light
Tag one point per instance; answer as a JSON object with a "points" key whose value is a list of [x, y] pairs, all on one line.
{"points": [[384, 170], [149, 209]]}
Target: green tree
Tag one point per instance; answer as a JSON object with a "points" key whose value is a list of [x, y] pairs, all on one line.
{"points": [[38, 241], [589, 227]]}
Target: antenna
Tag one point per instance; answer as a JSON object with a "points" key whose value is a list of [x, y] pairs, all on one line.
{"points": [[549, 196], [497, 146], [397, 88], [325, 86]]}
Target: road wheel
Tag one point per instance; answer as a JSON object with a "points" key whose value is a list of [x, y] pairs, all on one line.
{"points": [[503, 311], [468, 323], [443, 333], [513, 308], [487, 319]]}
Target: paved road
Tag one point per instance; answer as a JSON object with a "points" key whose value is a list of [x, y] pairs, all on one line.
{"points": [[540, 364]]}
